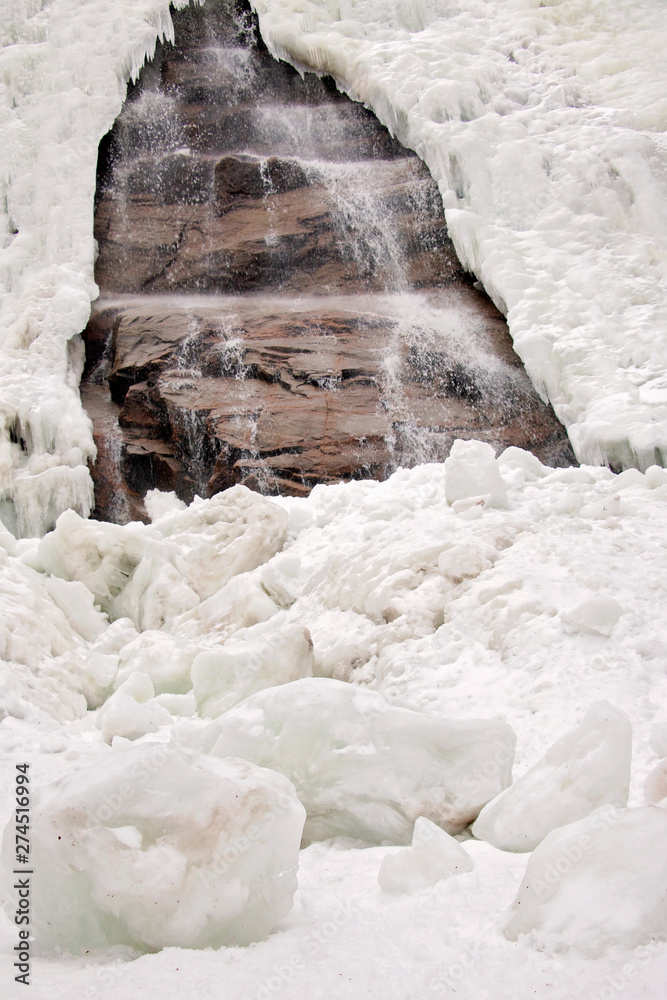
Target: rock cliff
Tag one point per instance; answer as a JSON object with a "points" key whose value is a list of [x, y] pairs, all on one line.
{"points": [[280, 303]]}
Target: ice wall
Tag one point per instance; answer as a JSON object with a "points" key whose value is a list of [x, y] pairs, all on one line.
{"points": [[64, 65], [544, 126]]}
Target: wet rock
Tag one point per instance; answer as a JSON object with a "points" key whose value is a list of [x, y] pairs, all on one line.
{"points": [[280, 302]]}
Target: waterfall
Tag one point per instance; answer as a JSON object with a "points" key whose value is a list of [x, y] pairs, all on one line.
{"points": [[287, 306]]}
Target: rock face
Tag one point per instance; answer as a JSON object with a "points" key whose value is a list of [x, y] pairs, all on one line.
{"points": [[280, 303]]}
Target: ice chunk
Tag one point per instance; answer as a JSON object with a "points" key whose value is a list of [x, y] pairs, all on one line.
{"points": [[596, 616], [76, 601], [233, 532], [587, 767], [462, 561], [472, 472], [159, 503], [127, 568], [155, 847], [658, 737], [256, 658], [132, 711], [240, 603], [165, 658], [596, 883], [432, 856], [363, 768]]}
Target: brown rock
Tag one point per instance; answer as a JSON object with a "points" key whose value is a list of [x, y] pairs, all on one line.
{"points": [[281, 305]]}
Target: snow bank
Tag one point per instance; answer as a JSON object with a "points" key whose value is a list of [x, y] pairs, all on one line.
{"points": [[587, 768], [64, 66], [363, 768], [544, 126], [596, 883], [154, 846]]}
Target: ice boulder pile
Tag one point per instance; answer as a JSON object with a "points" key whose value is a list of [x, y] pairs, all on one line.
{"points": [[596, 883], [251, 675], [363, 768], [154, 846]]}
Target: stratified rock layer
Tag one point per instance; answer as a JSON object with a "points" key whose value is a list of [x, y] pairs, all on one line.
{"points": [[281, 305]]}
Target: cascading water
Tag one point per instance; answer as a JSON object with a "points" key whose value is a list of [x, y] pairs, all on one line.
{"points": [[280, 302]]}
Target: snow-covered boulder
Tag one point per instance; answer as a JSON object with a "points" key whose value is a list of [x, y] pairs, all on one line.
{"points": [[155, 846], [363, 768], [432, 857], [596, 883], [587, 767]]}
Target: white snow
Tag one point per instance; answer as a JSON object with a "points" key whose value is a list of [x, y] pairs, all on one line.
{"points": [[544, 126], [411, 604], [421, 619]]}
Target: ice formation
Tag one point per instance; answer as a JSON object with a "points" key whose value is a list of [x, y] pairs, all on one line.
{"points": [[154, 846], [432, 856], [587, 768], [543, 125], [409, 611], [596, 883], [363, 768], [64, 69]]}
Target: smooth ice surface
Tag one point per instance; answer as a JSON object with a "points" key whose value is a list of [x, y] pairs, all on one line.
{"points": [[363, 768], [432, 856], [596, 883], [155, 846], [586, 768], [544, 126]]}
